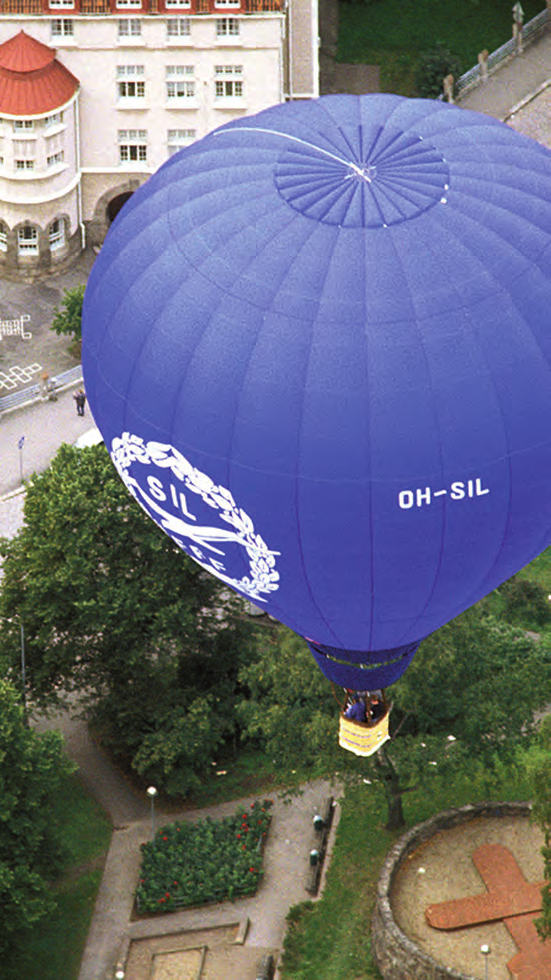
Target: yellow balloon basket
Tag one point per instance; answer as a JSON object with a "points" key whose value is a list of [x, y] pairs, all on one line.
{"points": [[361, 738]]}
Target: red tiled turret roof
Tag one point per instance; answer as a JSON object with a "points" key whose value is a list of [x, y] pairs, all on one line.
{"points": [[32, 81]]}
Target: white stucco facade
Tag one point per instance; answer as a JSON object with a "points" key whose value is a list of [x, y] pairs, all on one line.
{"points": [[148, 83]]}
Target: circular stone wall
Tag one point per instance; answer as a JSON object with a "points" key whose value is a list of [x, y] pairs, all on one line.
{"points": [[397, 956]]}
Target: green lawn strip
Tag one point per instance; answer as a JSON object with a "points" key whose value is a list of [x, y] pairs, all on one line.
{"points": [[54, 948], [331, 939], [208, 861], [393, 33]]}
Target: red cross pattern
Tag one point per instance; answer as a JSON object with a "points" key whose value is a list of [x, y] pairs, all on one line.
{"points": [[509, 899]]}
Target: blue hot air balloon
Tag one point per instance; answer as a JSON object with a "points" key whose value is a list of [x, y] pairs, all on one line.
{"points": [[318, 345]]}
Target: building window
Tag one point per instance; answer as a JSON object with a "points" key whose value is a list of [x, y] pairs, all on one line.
{"points": [[133, 145], [130, 27], [56, 119], [55, 158], [177, 138], [66, 4], [177, 3], [228, 83], [128, 3], [129, 86], [178, 86], [227, 3], [62, 27], [227, 27], [57, 234], [19, 124], [3, 237], [178, 27], [23, 154], [27, 240]]}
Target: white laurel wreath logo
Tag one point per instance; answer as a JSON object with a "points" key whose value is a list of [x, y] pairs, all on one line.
{"points": [[263, 575]]}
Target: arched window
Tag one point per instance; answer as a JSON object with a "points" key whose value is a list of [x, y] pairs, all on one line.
{"points": [[57, 234], [27, 240], [3, 237]]}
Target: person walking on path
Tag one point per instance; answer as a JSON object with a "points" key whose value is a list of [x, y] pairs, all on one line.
{"points": [[80, 399]]}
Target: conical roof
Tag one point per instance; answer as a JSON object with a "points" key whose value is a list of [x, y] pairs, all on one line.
{"points": [[32, 81]]}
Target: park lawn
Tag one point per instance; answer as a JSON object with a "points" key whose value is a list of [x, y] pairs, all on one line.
{"points": [[331, 939], [54, 948], [394, 33]]}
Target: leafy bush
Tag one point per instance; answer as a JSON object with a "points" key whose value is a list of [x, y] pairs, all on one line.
{"points": [[525, 600], [433, 68], [210, 861]]}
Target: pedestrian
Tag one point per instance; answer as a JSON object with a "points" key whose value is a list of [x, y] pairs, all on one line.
{"points": [[80, 399]]}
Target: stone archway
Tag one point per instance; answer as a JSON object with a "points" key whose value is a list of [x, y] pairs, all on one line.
{"points": [[106, 208], [115, 205]]}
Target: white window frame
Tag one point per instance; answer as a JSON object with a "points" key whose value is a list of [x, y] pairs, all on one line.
{"points": [[127, 4], [180, 83], [228, 83], [132, 146], [177, 27], [130, 82], [61, 4], [129, 28], [66, 28], [27, 244], [226, 4], [177, 138], [55, 119], [177, 4], [55, 158], [23, 125], [57, 234], [227, 27], [3, 237]]}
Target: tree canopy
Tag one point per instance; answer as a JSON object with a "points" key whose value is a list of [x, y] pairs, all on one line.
{"points": [[68, 318], [111, 607], [32, 769]]}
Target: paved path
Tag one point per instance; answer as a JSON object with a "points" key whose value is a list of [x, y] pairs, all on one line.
{"points": [[514, 81]]}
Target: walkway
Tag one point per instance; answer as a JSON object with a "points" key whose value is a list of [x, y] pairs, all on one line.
{"points": [[513, 83]]}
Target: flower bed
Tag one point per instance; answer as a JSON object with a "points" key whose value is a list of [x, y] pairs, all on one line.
{"points": [[210, 861]]}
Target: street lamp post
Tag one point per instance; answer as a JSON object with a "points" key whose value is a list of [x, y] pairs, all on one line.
{"points": [[152, 793], [485, 950]]}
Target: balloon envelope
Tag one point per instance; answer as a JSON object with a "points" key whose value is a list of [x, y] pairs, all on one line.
{"points": [[318, 345]]}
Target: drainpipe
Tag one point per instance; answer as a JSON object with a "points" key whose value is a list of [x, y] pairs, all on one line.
{"points": [[79, 173]]}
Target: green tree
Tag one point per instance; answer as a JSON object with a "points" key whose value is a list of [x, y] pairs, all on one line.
{"points": [[32, 768], [112, 607], [470, 694], [540, 778], [478, 679], [433, 67], [525, 602], [67, 319]]}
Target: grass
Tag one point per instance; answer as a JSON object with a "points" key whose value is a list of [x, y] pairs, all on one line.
{"points": [[330, 939], [53, 951], [394, 33]]}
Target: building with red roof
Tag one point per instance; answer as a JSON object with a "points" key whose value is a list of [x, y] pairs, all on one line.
{"points": [[96, 94]]}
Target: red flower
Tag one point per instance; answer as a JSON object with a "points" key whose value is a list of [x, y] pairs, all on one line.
{"points": [[175, 883], [165, 838], [167, 894], [252, 806], [239, 837], [251, 869], [244, 847]]}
